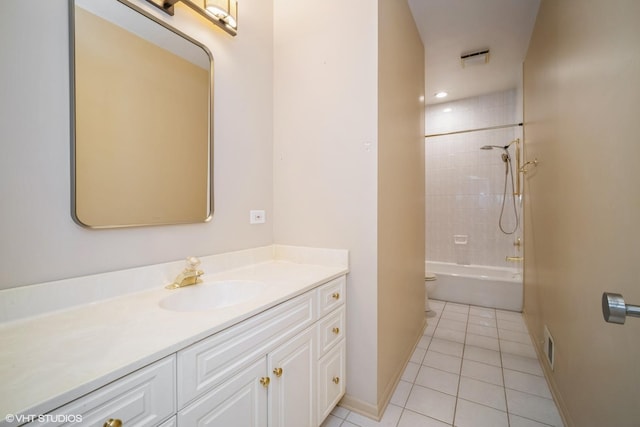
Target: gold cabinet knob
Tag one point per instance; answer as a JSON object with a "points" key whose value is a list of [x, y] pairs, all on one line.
{"points": [[278, 372], [265, 381], [336, 331], [335, 295], [336, 380], [113, 423]]}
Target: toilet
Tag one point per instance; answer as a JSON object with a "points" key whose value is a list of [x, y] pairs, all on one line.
{"points": [[430, 285]]}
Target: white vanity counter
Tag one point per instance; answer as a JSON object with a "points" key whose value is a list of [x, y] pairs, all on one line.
{"points": [[51, 359]]}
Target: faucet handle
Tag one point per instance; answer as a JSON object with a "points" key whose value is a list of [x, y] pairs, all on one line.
{"points": [[192, 263]]}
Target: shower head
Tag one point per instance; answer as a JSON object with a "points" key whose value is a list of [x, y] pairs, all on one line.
{"points": [[504, 147]]}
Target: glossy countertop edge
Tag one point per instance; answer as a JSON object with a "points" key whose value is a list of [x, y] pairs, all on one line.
{"points": [[80, 360], [22, 302]]}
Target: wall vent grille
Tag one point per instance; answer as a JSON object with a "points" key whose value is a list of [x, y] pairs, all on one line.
{"points": [[549, 347]]}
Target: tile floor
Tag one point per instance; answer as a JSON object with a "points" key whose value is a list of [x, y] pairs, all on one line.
{"points": [[474, 367]]}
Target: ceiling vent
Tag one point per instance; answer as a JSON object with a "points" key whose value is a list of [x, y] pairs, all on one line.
{"points": [[475, 57]]}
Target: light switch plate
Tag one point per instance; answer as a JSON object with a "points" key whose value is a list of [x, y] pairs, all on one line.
{"points": [[257, 217]]}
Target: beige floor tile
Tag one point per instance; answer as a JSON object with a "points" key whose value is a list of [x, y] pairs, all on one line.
{"points": [[482, 372], [482, 341], [482, 355], [401, 394], [454, 315], [527, 383], [533, 407], [410, 372], [389, 419], [469, 414], [436, 379], [413, 419], [483, 321], [522, 364], [451, 348], [449, 334], [432, 403], [485, 331], [483, 393], [443, 362], [483, 312]]}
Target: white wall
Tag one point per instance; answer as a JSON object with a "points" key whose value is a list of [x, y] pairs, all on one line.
{"points": [[465, 185], [296, 128], [39, 241], [325, 154]]}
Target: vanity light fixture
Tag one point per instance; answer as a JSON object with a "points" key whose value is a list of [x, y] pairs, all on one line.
{"points": [[222, 13], [224, 10]]}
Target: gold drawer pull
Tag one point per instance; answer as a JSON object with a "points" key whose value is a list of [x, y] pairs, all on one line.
{"points": [[335, 295], [113, 423], [265, 381], [336, 380], [278, 372], [336, 331]]}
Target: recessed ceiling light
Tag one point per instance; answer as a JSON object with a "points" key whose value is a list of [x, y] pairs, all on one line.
{"points": [[441, 94], [447, 110]]}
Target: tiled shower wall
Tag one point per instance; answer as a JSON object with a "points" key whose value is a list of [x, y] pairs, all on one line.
{"points": [[464, 185]]}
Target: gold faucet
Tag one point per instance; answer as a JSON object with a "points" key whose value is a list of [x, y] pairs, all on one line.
{"points": [[189, 276]]}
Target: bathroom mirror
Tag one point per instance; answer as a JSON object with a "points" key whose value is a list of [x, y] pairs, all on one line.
{"points": [[142, 134]]}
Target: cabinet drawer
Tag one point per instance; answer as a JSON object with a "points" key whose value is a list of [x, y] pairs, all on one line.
{"points": [[331, 295], [331, 380], [330, 330], [142, 398], [208, 363]]}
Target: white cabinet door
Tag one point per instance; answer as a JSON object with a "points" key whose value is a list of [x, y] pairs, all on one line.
{"points": [[331, 380], [240, 401], [292, 368]]}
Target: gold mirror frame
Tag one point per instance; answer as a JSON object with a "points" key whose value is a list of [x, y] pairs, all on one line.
{"points": [[145, 159]]}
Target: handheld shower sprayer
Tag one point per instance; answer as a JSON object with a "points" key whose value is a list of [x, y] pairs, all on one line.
{"points": [[506, 158]]}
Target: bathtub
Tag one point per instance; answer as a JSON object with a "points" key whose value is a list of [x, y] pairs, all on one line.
{"points": [[485, 286]]}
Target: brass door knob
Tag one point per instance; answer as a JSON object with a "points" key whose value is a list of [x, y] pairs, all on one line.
{"points": [[335, 295], [278, 372], [265, 381], [336, 331], [113, 423], [336, 380]]}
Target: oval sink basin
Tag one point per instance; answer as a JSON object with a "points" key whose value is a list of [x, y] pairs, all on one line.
{"points": [[212, 295]]}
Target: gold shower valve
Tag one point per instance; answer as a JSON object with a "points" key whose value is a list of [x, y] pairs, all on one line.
{"points": [[533, 163]]}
